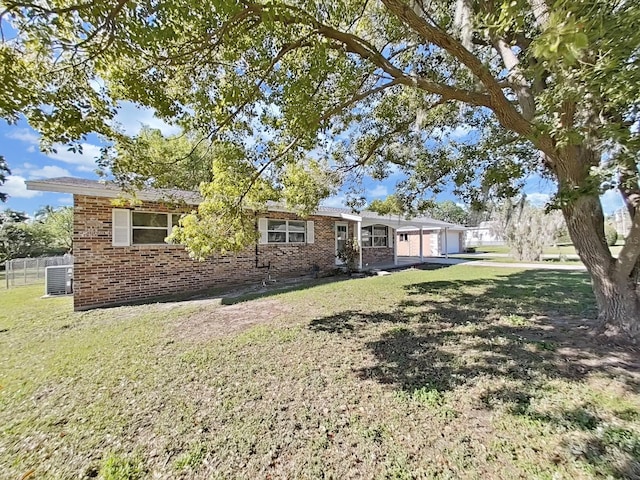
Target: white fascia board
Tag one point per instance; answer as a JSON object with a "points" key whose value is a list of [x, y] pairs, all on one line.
{"points": [[351, 216], [108, 191]]}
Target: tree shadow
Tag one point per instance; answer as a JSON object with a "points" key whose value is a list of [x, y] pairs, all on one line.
{"points": [[516, 331]]}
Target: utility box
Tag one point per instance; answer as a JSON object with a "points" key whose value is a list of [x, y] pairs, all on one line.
{"points": [[58, 280]]}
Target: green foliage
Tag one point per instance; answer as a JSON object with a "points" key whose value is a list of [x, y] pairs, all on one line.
{"points": [[58, 226], [527, 230], [150, 159], [392, 205], [51, 234], [448, 211], [116, 467], [478, 100], [4, 172], [350, 254], [610, 234]]}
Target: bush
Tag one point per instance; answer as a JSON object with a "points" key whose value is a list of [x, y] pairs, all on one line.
{"points": [[611, 235]]}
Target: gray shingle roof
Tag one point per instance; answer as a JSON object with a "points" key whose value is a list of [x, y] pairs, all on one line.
{"points": [[84, 186]]}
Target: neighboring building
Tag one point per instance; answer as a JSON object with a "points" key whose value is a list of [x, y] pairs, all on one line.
{"points": [[622, 221], [486, 233], [120, 255], [442, 240]]}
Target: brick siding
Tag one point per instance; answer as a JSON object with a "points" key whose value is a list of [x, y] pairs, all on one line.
{"points": [[106, 275], [376, 255]]}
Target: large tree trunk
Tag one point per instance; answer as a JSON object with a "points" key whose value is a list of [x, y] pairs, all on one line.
{"points": [[616, 293]]}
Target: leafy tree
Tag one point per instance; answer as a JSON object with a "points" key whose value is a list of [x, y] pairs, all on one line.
{"points": [[392, 205], [12, 216], [610, 234], [57, 226], [475, 93], [448, 211], [150, 159], [527, 229], [4, 172], [19, 238]]}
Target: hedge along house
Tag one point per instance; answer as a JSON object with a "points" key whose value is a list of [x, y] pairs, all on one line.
{"points": [[120, 254]]}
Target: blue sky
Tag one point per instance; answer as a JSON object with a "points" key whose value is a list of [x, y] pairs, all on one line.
{"points": [[19, 145]]}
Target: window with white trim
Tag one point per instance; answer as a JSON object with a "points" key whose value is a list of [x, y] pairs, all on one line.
{"points": [[286, 231], [404, 237], [375, 236], [152, 228]]}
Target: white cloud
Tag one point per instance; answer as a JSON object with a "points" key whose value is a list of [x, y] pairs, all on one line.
{"points": [[378, 191], [131, 118], [24, 135], [66, 200], [84, 160], [16, 188], [611, 201], [538, 199], [335, 201], [49, 171], [31, 149], [457, 133]]}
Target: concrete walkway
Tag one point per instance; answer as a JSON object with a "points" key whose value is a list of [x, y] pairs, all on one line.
{"points": [[545, 256], [405, 262], [480, 263]]}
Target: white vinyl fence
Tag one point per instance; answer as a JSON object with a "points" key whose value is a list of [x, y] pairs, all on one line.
{"points": [[26, 271]]}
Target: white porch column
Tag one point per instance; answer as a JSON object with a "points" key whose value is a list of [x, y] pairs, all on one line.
{"points": [[446, 246], [359, 237], [395, 247], [421, 245]]}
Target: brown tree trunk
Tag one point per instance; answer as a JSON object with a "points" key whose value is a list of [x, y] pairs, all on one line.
{"points": [[617, 295]]}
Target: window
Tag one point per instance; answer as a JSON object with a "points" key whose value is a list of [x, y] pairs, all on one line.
{"points": [[375, 236], [286, 231], [404, 237], [151, 228]]}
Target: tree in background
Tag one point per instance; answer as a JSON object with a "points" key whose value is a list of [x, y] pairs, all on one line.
{"points": [[527, 230], [57, 225], [4, 172], [473, 94], [447, 211], [50, 234], [391, 205]]}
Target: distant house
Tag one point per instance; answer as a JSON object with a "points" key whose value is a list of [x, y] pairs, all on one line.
{"points": [[120, 254], [622, 221], [440, 238], [486, 233]]}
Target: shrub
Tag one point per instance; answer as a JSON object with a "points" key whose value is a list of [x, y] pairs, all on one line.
{"points": [[611, 235]]}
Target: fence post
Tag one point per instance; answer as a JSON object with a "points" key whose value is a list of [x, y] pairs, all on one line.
{"points": [[7, 265]]}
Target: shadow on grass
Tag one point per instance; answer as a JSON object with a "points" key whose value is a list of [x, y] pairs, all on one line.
{"points": [[516, 332]]}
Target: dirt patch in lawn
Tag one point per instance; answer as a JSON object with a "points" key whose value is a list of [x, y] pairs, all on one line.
{"points": [[227, 320]]}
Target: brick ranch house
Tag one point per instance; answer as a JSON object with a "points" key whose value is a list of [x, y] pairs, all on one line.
{"points": [[120, 254]]}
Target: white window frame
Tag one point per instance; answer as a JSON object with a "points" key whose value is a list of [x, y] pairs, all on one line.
{"points": [[371, 237], [167, 229], [403, 237], [287, 232]]}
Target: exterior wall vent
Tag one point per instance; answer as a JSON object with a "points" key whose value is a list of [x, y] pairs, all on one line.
{"points": [[58, 280]]}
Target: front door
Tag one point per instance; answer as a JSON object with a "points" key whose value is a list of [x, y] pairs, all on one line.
{"points": [[342, 232]]}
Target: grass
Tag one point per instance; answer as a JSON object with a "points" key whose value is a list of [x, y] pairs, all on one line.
{"points": [[449, 373], [550, 250]]}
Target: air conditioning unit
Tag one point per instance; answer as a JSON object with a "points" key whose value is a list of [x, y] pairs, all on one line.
{"points": [[58, 280]]}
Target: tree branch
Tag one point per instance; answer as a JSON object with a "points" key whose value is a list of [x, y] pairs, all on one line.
{"points": [[504, 110]]}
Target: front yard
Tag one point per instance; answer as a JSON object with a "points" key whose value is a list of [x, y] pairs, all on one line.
{"points": [[456, 372]]}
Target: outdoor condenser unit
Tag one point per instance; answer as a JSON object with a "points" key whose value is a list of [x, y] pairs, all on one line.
{"points": [[58, 280]]}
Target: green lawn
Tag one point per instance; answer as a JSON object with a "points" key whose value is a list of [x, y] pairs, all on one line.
{"points": [[456, 372], [550, 250]]}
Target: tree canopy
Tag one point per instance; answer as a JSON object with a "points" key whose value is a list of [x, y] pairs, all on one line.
{"points": [[4, 172], [281, 91]]}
